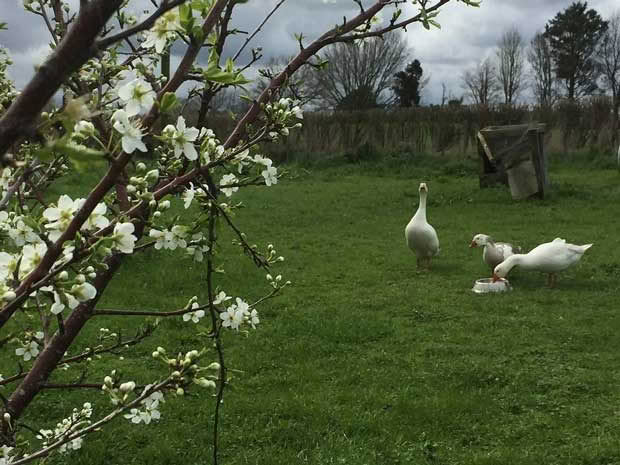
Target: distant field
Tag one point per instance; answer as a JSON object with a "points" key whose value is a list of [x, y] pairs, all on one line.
{"points": [[364, 360]]}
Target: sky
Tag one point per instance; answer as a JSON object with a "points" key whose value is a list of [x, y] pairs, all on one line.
{"points": [[467, 34]]}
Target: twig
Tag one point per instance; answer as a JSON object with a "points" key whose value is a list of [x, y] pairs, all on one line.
{"points": [[257, 30], [213, 213], [94, 426], [258, 259], [181, 311], [144, 25]]}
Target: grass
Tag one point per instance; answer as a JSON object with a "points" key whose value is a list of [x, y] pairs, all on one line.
{"points": [[365, 360]]}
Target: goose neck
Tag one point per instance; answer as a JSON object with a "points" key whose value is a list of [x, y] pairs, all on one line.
{"points": [[422, 206]]}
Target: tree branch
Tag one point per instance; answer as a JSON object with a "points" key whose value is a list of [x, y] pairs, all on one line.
{"points": [[144, 25]]}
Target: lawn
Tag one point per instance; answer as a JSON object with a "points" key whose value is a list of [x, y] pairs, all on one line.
{"points": [[365, 360]]}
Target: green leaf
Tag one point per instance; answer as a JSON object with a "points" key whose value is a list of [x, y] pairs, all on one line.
{"points": [[79, 154], [228, 76], [168, 102]]}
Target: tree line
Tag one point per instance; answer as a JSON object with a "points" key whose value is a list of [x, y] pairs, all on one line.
{"points": [[576, 55]]}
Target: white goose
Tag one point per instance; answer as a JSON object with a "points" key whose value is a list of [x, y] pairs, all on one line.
{"points": [[421, 237], [493, 253], [549, 257]]}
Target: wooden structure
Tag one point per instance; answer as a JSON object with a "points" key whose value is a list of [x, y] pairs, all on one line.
{"points": [[514, 155]]}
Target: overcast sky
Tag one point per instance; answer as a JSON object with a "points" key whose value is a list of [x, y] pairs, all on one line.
{"points": [[467, 34]]}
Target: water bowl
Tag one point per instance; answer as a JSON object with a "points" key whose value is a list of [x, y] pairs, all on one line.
{"points": [[486, 285]]}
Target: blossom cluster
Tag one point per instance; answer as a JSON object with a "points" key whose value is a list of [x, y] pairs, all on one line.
{"points": [[77, 420], [283, 115]]}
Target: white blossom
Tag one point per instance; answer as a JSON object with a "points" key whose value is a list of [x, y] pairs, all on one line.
{"points": [[226, 180], [271, 175], [123, 237], [28, 351], [221, 297], [59, 217], [97, 220], [188, 196], [150, 411], [138, 96], [31, 257], [23, 234], [163, 29], [169, 239], [59, 303], [84, 291], [195, 316], [253, 318], [131, 135], [8, 265], [182, 138]]}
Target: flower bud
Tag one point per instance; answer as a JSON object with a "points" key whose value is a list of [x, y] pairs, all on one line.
{"points": [[161, 350], [164, 205], [206, 383], [7, 417], [155, 354], [157, 214], [107, 380], [140, 167], [180, 391], [214, 366], [80, 278], [89, 269], [153, 203], [152, 176], [131, 188], [128, 386], [175, 374], [10, 295]]}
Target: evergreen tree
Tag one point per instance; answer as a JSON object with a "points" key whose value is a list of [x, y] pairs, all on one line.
{"points": [[408, 84], [573, 36]]}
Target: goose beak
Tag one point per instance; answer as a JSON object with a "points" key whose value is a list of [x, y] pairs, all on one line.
{"points": [[473, 244], [496, 278]]}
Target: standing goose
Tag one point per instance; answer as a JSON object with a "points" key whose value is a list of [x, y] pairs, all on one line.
{"points": [[421, 236], [549, 257], [493, 253]]}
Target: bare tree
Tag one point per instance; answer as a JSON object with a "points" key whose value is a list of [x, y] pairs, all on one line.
{"points": [[481, 82], [609, 60], [510, 64], [544, 83], [360, 74]]}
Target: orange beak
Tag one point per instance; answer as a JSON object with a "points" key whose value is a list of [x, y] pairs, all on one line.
{"points": [[473, 244], [496, 278]]}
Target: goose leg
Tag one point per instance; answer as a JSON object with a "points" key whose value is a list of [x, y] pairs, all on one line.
{"points": [[552, 279]]}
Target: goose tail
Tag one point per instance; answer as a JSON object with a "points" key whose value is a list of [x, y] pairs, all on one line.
{"points": [[580, 248]]}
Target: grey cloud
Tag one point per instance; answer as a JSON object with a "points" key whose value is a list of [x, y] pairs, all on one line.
{"points": [[467, 35]]}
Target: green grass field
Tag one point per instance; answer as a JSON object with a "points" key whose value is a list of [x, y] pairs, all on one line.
{"points": [[365, 360]]}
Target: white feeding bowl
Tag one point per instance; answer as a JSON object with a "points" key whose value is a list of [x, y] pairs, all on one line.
{"points": [[486, 285]]}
